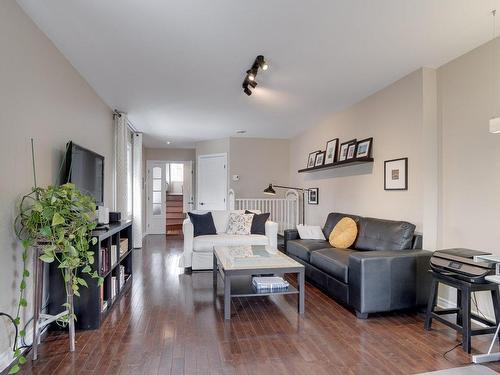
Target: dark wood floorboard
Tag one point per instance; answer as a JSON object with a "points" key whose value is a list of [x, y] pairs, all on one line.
{"points": [[170, 323]]}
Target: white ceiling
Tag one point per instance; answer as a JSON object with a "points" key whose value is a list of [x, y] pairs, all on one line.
{"points": [[176, 67]]}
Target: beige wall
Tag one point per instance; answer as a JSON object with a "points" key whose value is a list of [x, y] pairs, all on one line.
{"points": [[170, 154], [394, 118], [41, 96], [258, 162], [213, 146], [468, 95]]}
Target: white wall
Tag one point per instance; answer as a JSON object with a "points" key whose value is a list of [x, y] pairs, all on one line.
{"points": [[170, 154], [469, 95], [394, 118], [258, 162], [41, 96]]}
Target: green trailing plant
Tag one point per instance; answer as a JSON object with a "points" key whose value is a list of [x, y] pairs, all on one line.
{"points": [[59, 221]]}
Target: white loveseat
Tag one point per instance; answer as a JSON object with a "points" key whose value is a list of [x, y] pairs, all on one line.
{"points": [[198, 251]]}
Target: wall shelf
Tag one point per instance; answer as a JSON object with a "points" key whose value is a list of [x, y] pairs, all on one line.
{"points": [[338, 164]]}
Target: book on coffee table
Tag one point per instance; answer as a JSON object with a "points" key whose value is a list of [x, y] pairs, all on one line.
{"points": [[269, 283]]}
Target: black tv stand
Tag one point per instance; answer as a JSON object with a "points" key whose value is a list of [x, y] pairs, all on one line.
{"points": [[96, 302]]}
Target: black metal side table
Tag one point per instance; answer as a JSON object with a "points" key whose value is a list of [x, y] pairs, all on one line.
{"points": [[464, 316]]}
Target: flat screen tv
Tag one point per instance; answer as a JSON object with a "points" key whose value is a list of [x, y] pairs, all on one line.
{"points": [[85, 169]]}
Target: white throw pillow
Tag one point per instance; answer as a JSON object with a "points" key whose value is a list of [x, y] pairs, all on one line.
{"points": [[239, 223], [310, 232]]}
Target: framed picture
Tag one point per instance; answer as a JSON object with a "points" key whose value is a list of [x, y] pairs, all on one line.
{"points": [[364, 148], [320, 159], [313, 196], [351, 151], [344, 149], [331, 151], [396, 174], [311, 159]]}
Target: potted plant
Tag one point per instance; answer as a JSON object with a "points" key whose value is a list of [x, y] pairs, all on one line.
{"points": [[58, 222]]}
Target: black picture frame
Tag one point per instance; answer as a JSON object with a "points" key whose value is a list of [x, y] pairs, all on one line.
{"points": [[351, 151], [369, 147], [320, 159], [393, 163], [334, 153], [345, 146], [312, 158], [313, 196]]}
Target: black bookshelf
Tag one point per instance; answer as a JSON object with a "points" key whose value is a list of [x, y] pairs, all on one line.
{"points": [[89, 307], [338, 164]]}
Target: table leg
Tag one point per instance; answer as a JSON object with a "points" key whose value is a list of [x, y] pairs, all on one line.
{"points": [[466, 321], [227, 297], [71, 319], [459, 307], [430, 304], [38, 280], [301, 283], [215, 272]]}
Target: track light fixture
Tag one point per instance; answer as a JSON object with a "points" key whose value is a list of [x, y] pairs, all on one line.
{"points": [[249, 80]]}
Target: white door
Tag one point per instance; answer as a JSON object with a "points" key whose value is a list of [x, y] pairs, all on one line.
{"points": [[187, 187], [156, 197], [211, 182]]}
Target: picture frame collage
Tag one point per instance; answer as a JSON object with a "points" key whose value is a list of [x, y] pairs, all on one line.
{"points": [[336, 152]]}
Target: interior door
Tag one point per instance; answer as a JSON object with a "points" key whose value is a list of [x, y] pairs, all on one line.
{"points": [[212, 182], [156, 197], [187, 187]]}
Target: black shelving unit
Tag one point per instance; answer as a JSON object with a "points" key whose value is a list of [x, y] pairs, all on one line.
{"points": [[338, 164], [89, 306]]}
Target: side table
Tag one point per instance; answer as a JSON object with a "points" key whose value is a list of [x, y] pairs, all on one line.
{"points": [[463, 313]]}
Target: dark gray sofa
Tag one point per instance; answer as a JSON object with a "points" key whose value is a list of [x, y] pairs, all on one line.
{"points": [[384, 270]]}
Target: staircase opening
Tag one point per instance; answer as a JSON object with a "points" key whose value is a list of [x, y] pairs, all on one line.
{"points": [[174, 199]]}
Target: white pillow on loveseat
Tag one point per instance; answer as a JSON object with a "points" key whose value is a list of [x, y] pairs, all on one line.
{"points": [[239, 224], [310, 232]]}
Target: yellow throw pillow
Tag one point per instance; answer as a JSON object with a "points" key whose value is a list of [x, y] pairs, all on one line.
{"points": [[344, 234]]}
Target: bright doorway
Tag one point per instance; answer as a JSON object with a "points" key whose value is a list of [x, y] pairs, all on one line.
{"points": [[169, 195]]}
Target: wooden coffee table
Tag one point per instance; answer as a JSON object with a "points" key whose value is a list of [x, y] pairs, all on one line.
{"points": [[237, 276]]}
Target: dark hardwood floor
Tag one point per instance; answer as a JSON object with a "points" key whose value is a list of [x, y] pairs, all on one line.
{"points": [[168, 323]]}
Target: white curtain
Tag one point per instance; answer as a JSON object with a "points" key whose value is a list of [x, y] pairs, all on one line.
{"points": [[137, 185], [121, 171]]}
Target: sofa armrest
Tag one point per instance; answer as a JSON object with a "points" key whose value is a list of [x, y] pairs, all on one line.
{"points": [[289, 235], [272, 233], [388, 280], [188, 232]]}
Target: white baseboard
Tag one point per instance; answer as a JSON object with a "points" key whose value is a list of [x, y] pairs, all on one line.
{"points": [[6, 358], [447, 304]]}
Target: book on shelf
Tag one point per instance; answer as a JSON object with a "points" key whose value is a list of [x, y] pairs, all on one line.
{"points": [[114, 287], [123, 246], [104, 260], [122, 275], [114, 257], [104, 306]]}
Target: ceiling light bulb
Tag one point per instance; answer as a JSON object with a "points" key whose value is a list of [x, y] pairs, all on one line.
{"points": [[168, 142], [264, 66], [251, 77]]}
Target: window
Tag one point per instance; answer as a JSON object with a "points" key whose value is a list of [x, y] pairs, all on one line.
{"points": [[157, 184], [176, 172]]}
